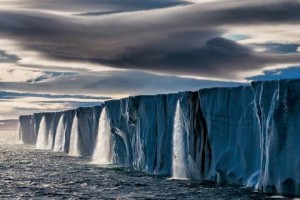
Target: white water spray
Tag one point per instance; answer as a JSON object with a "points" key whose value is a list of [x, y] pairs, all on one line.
{"points": [[73, 149], [103, 151], [59, 144], [42, 139], [179, 158], [50, 136]]}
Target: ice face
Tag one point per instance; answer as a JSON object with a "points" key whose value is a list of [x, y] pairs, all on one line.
{"points": [[27, 133], [245, 135]]}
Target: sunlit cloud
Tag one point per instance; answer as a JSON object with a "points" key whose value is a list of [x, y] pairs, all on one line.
{"points": [[12, 73], [58, 55], [184, 40]]}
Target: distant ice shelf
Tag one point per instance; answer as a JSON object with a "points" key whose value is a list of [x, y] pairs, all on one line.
{"points": [[248, 135]]}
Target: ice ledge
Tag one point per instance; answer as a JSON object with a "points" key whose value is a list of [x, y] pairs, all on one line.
{"points": [[246, 135]]}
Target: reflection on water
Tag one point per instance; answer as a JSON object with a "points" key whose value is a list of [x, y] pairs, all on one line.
{"points": [[29, 173]]}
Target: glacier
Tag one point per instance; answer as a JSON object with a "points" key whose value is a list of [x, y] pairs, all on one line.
{"points": [[246, 135]]}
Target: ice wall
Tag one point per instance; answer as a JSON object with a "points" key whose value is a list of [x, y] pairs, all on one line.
{"points": [[247, 135], [27, 132], [278, 113]]}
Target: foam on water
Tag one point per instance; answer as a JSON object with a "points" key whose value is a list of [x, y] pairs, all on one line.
{"points": [[27, 173]]}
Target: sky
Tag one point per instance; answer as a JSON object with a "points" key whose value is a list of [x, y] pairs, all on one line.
{"points": [[62, 54]]}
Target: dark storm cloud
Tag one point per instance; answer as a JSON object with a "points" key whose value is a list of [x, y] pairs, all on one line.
{"points": [[7, 58], [255, 12], [183, 40], [218, 57]]}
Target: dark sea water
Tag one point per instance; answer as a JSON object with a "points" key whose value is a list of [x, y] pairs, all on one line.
{"points": [[26, 173]]}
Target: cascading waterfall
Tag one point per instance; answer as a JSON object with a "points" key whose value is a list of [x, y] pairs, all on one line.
{"points": [[269, 132], [50, 136], [73, 149], [179, 158], [42, 139], [207, 135], [103, 151], [59, 144]]}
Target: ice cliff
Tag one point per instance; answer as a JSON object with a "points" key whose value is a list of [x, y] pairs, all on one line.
{"points": [[248, 135]]}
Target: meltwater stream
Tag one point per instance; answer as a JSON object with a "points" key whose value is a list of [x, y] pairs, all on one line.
{"points": [[73, 149], [103, 151], [27, 173]]}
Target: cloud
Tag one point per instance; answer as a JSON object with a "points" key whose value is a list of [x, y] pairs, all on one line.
{"points": [[112, 83], [290, 72], [278, 48], [6, 58], [179, 40], [14, 104], [218, 58], [89, 5], [10, 72], [62, 97], [60, 54], [88, 89]]}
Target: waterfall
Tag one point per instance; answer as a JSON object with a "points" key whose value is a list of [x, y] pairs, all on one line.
{"points": [[59, 144], [50, 136], [73, 149], [103, 151], [42, 139], [179, 159]]}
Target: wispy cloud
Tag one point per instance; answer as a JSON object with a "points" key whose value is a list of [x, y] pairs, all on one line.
{"points": [[117, 48], [177, 40]]}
